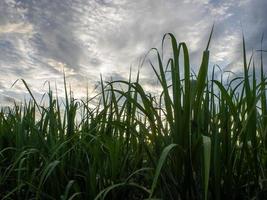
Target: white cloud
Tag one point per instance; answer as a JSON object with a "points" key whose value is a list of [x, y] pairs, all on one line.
{"points": [[13, 28], [39, 38]]}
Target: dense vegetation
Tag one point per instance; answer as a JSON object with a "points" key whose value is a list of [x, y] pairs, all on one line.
{"points": [[199, 138]]}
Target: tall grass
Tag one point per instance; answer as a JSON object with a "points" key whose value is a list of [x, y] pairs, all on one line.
{"points": [[198, 139]]}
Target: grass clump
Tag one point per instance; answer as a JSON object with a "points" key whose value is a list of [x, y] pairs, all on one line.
{"points": [[199, 139]]}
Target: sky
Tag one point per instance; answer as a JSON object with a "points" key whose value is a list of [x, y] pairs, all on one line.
{"points": [[86, 38]]}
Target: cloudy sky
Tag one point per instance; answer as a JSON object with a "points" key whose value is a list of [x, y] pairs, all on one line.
{"points": [[38, 38]]}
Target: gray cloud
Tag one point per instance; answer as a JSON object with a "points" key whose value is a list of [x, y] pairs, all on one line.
{"points": [[38, 38]]}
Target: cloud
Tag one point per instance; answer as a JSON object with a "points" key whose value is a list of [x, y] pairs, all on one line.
{"points": [[40, 38], [247, 17], [20, 28]]}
